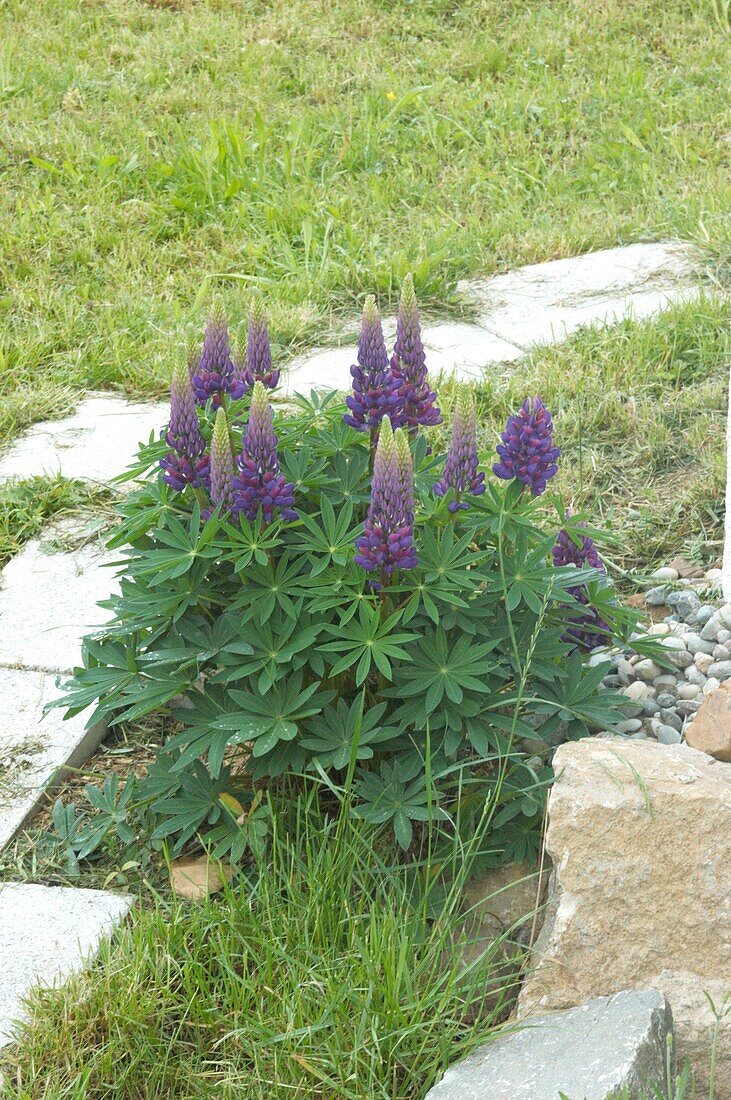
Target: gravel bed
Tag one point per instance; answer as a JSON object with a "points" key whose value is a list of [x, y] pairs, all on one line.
{"points": [[696, 635]]}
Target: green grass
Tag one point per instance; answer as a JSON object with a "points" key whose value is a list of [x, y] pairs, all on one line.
{"points": [[29, 505], [326, 973], [321, 150]]}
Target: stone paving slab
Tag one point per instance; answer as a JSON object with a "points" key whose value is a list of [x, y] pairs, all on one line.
{"points": [[33, 747], [48, 933], [48, 601], [545, 303], [98, 442]]}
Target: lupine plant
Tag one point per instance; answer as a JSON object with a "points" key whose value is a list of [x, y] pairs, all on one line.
{"points": [[323, 593]]}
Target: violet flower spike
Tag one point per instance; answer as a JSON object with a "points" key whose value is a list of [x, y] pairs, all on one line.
{"points": [[375, 391], [259, 486], [187, 462], [216, 374], [587, 629], [460, 470], [417, 400], [258, 350], [222, 465], [387, 543], [527, 451], [405, 467]]}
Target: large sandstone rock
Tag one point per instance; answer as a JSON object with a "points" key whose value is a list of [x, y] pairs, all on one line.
{"points": [[641, 891], [610, 1047], [710, 730]]}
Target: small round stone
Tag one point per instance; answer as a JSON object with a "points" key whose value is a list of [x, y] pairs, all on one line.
{"points": [[667, 735], [723, 637], [710, 685], [656, 597], [666, 573], [684, 603], [721, 670], [625, 672], [695, 644], [704, 614], [640, 736], [688, 707], [712, 629], [695, 676], [688, 691], [659, 628], [647, 669], [721, 653], [666, 699], [673, 641], [681, 658], [664, 681], [670, 718], [638, 691], [650, 708], [630, 726], [703, 662]]}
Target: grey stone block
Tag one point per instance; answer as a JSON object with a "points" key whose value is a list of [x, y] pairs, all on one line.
{"points": [[98, 442], [48, 933], [48, 601], [544, 303], [32, 747], [588, 1053]]}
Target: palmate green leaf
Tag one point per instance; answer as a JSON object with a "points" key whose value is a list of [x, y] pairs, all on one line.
{"points": [[445, 557], [367, 640], [279, 711], [195, 804], [578, 698], [331, 735], [393, 795], [277, 646], [270, 587], [248, 541], [307, 473], [342, 590], [184, 548], [330, 540], [350, 476], [440, 666]]}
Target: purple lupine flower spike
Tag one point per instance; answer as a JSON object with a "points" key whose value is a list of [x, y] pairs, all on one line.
{"points": [[566, 552], [258, 350], [187, 462], [259, 485], [527, 451], [408, 365], [405, 467], [387, 543], [192, 356], [588, 629], [375, 391], [222, 465], [460, 470], [216, 374]]}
